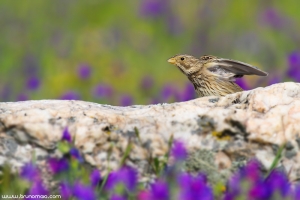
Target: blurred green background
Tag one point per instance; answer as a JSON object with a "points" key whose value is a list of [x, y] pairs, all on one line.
{"points": [[115, 52]]}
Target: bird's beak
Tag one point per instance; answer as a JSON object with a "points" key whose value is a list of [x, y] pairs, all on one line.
{"points": [[172, 61]]}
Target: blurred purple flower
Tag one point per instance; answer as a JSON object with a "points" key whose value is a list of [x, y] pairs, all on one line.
{"points": [[33, 83], [194, 187], [70, 95], [263, 189], [179, 151], [260, 190], [102, 91], [167, 92], [125, 175], [83, 192], [66, 135], [147, 83], [278, 181], [65, 190], [31, 65], [271, 17], [249, 172], [37, 188], [252, 171], [84, 71], [294, 65], [95, 177], [129, 177], [58, 165], [112, 180], [183, 179], [22, 97], [155, 101], [233, 187], [6, 92], [274, 79], [144, 195], [30, 172], [153, 8], [188, 92], [126, 100], [76, 154], [242, 83], [159, 191], [174, 24], [117, 197], [296, 193]]}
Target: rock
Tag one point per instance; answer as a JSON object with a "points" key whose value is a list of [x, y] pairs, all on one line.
{"points": [[231, 129]]}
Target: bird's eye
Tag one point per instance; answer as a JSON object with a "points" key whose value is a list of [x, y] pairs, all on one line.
{"points": [[182, 58]]}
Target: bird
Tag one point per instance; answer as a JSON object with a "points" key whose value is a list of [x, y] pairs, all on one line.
{"points": [[214, 76]]}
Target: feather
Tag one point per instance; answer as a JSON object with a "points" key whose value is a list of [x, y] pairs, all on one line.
{"points": [[232, 68]]}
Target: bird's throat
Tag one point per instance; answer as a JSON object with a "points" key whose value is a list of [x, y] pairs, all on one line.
{"points": [[209, 86]]}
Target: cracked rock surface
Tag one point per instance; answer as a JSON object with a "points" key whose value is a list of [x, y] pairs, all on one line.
{"points": [[230, 129]]}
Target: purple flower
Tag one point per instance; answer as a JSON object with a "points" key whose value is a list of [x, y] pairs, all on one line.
{"points": [[188, 92], [274, 79], [22, 97], [260, 190], [84, 71], [76, 154], [66, 135], [30, 65], [179, 151], [65, 190], [167, 92], [278, 181], [102, 91], [296, 193], [175, 26], [129, 177], [83, 192], [184, 178], [159, 191], [112, 180], [155, 101], [252, 171], [30, 172], [153, 8], [233, 187], [259, 187], [271, 17], [37, 188], [33, 83], [117, 197], [125, 175], [228, 196], [294, 65], [144, 195], [242, 83], [70, 95], [126, 100], [147, 83], [194, 187], [6, 92], [58, 165], [95, 177]]}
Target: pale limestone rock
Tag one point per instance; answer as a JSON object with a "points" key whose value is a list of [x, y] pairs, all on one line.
{"points": [[233, 129]]}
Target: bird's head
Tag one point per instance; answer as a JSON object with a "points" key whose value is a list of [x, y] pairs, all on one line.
{"points": [[187, 64]]}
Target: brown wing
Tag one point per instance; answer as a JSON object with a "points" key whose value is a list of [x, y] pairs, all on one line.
{"points": [[231, 69]]}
